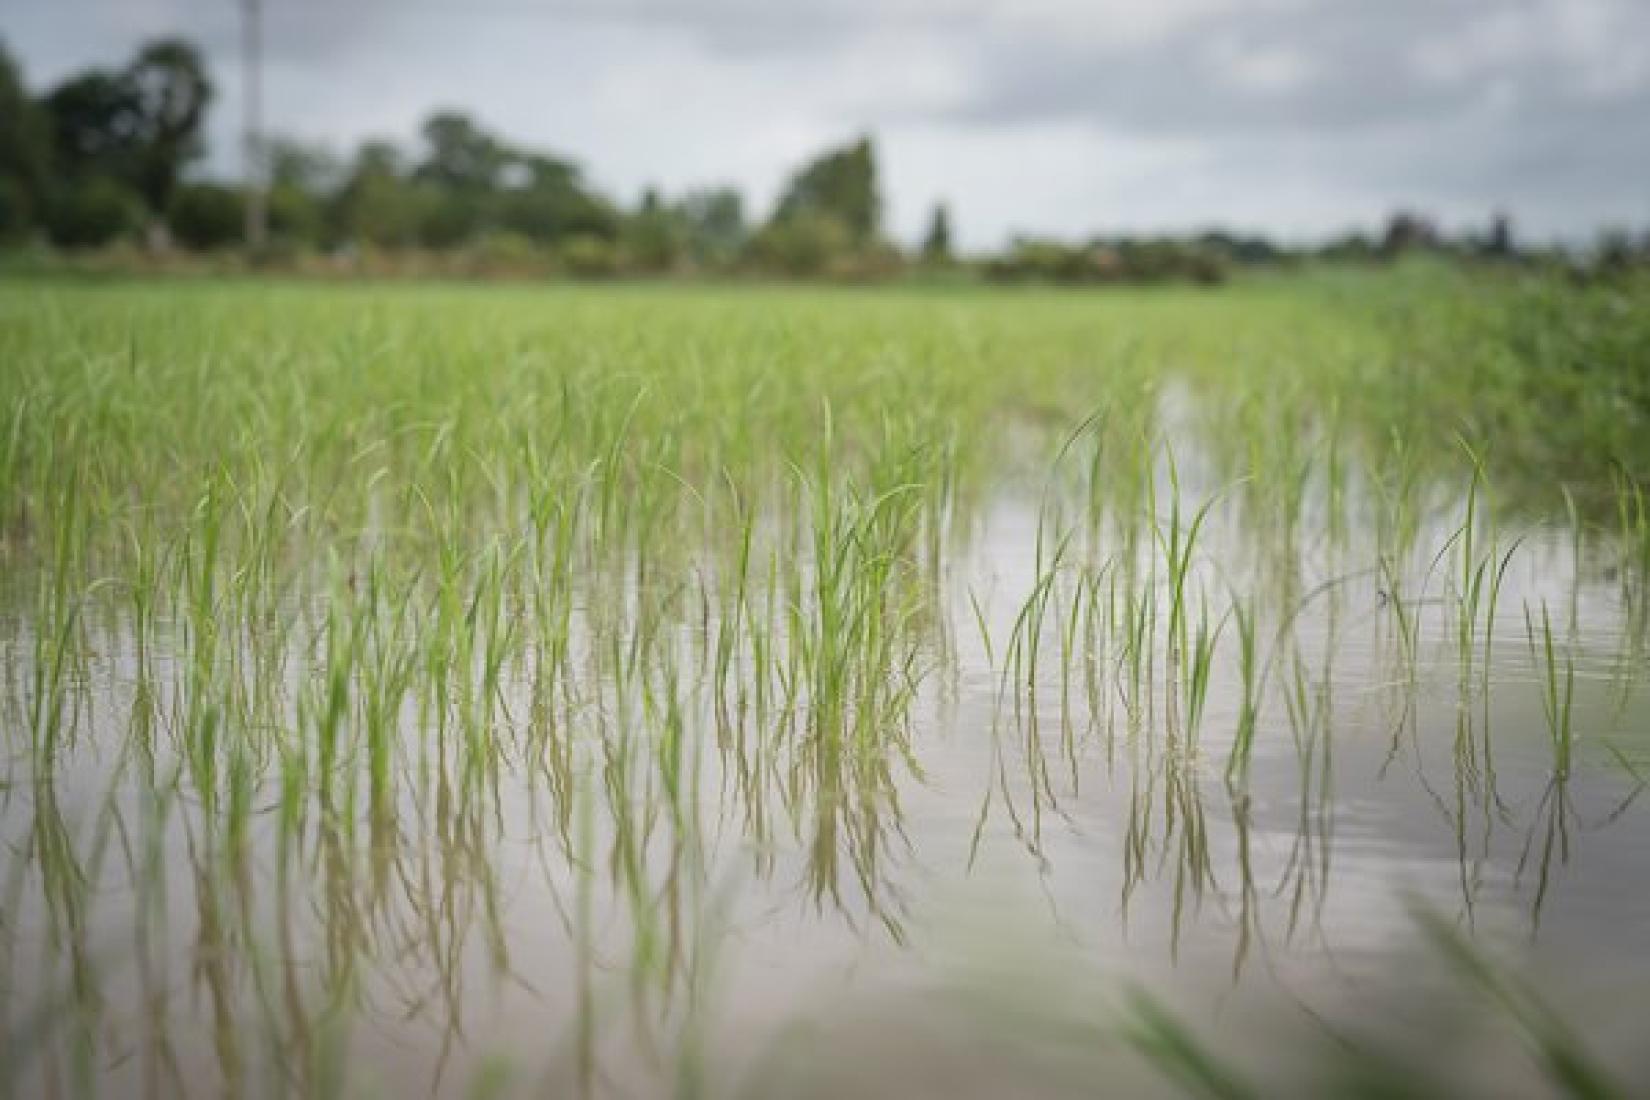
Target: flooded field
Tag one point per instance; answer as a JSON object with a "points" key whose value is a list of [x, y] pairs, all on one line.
{"points": [[777, 693]]}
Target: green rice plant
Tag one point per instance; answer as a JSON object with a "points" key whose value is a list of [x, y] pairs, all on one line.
{"points": [[1633, 525], [1556, 668], [1243, 740], [1159, 1036], [1562, 1053], [1190, 657], [346, 631]]}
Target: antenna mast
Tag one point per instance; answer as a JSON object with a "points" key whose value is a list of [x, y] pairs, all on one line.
{"points": [[257, 208]]}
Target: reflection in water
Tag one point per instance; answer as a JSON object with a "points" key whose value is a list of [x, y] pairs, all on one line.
{"points": [[542, 818]]}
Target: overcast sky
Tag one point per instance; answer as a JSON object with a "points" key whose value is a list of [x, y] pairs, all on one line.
{"points": [[1299, 117]]}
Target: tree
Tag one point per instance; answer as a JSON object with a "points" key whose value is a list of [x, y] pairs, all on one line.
{"points": [[447, 216], [653, 236], [545, 200], [17, 213], [310, 168], [840, 184], [1405, 232], [460, 155], [139, 126], [206, 215], [713, 222], [807, 243], [1500, 241], [301, 180], [170, 90], [94, 125], [377, 205], [93, 211], [25, 152], [936, 245]]}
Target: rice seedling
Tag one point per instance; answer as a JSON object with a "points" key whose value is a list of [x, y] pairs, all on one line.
{"points": [[423, 669], [1556, 668]]}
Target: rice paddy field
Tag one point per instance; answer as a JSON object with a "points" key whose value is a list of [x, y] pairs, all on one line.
{"points": [[796, 692]]}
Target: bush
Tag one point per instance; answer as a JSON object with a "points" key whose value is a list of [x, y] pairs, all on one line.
{"points": [[501, 252], [872, 262], [206, 215], [295, 217], [807, 243], [448, 220], [92, 212], [586, 256], [16, 212], [1132, 261]]}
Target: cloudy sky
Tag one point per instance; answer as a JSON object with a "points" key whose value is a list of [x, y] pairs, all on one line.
{"points": [[1299, 117]]}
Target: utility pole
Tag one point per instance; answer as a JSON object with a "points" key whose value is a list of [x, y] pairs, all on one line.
{"points": [[257, 210]]}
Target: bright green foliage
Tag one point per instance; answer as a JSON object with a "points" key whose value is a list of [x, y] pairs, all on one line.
{"points": [[840, 185], [362, 642]]}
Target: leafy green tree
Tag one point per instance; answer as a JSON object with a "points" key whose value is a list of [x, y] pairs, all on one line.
{"points": [[460, 155], [1406, 232], [17, 211], [139, 126], [807, 243], [840, 184], [448, 217], [93, 211], [94, 125], [308, 167], [296, 216], [1499, 244], [171, 92], [653, 237], [206, 215], [25, 152], [713, 223], [546, 201], [936, 244], [377, 205], [302, 179]]}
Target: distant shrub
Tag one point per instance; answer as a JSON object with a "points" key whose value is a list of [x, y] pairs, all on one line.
{"points": [[502, 252], [1124, 261], [206, 216], [869, 262], [446, 220], [805, 244], [295, 216], [92, 212], [16, 212], [586, 256]]}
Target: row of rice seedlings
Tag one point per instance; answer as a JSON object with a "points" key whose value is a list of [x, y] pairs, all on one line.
{"points": [[430, 617], [1185, 668], [1482, 571], [205, 734], [1633, 536]]}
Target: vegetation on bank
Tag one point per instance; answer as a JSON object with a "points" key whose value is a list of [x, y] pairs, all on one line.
{"points": [[100, 171]]}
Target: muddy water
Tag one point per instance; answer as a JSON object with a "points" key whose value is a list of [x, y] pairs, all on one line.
{"points": [[660, 897]]}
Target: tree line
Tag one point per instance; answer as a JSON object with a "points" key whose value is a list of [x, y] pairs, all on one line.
{"points": [[104, 158]]}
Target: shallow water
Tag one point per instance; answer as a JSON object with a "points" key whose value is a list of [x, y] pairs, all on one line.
{"points": [[653, 886]]}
